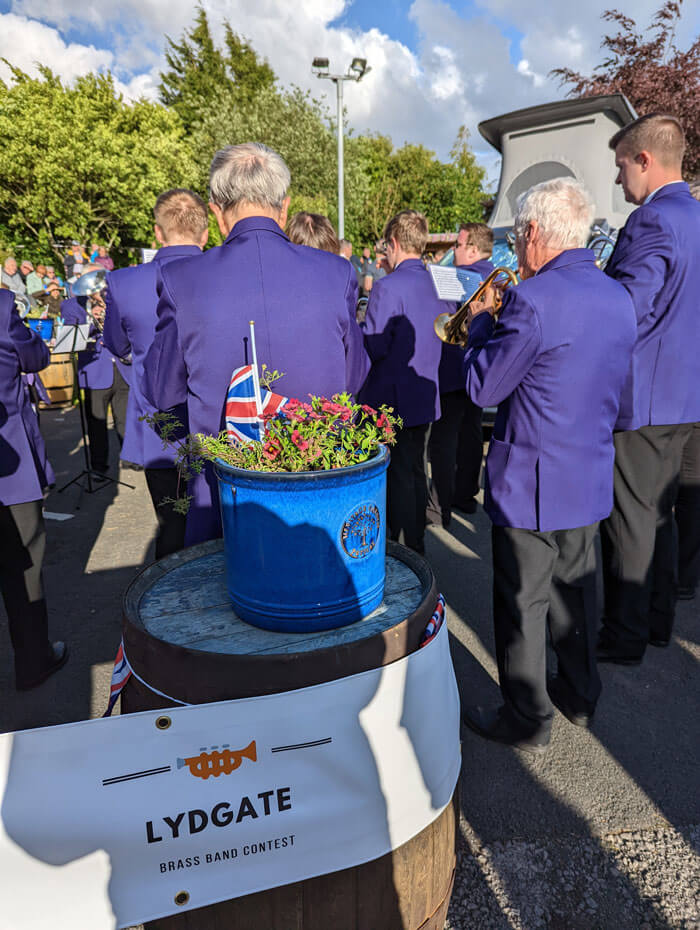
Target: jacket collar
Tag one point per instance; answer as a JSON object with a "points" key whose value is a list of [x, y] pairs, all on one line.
{"points": [[568, 257], [666, 190], [172, 251], [483, 266], [410, 263], [251, 223]]}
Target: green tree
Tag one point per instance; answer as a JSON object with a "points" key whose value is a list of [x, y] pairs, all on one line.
{"points": [[412, 177], [81, 162], [654, 74], [199, 72]]}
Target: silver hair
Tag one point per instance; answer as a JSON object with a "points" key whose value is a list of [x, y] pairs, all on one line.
{"points": [[562, 209], [248, 173]]}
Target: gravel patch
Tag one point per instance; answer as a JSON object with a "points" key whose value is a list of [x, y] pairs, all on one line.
{"points": [[637, 880]]}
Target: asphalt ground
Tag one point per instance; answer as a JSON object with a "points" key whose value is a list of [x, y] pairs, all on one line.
{"points": [[601, 833]]}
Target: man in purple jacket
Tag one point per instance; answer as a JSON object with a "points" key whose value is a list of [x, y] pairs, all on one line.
{"points": [[24, 474], [181, 227], [456, 438], [555, 363], [103, 376], [405, 354], [302, 301], [656, 258]]}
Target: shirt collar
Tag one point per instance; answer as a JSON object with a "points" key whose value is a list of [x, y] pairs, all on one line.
{"points": [[668, 184]]}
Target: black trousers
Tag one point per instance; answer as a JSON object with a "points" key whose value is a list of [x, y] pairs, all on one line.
{"points": [[97, 402], [639, 561], [442, 452], [22, 544], [407, 486], [163, 483], [544, 581], [470, 451], [688, 512]]}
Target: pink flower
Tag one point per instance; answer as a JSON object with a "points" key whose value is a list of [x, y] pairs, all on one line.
{"points": [[299, 441]]}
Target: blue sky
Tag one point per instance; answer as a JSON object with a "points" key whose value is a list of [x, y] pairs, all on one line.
{"points": [[436, 64]]}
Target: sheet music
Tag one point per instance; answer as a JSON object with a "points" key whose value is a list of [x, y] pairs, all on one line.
{"points": [[452, 283], [66, 334]]}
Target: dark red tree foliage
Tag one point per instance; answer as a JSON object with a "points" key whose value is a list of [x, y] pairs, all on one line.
{"points": [[652, 72]]}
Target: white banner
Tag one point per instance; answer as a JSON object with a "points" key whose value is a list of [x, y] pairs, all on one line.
{"points": [[118, 815]]}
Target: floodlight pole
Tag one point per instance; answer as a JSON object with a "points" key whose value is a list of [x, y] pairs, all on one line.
{"points": [[341, 164], [338, 80]]}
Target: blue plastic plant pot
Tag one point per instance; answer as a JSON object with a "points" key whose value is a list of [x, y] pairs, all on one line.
{"points": [[305, 551]]}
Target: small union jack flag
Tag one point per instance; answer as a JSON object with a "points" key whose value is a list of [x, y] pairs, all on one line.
{"points": [[121, 673], [434, 623], [242, 423]]}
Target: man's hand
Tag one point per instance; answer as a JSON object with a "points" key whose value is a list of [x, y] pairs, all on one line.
{"points": [[485, 304]]}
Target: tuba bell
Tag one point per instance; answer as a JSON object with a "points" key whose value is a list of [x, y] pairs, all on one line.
{"points": [[453, 328]]}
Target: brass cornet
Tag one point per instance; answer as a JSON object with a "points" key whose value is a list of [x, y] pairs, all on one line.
{"points": [[453, 328]]}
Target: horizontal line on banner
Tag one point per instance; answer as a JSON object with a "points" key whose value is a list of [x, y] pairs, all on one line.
{"points": [[118, 778], [317, 742]]}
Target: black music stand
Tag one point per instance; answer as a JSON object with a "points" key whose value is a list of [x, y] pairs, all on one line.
{"points": [[94, 480]]}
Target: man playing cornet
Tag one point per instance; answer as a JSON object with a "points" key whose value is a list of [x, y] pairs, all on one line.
{"points": [[555, 364]]}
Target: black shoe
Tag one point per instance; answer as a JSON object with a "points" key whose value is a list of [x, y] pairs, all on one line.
{"points": [[489, 723], [465, 506], [685, 594], [557, 691], [59, 657], [614, 655], [660, 642]]}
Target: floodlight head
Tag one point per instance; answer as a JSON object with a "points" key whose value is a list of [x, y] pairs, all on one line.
{"points": [[320, 65], [359, 66]]}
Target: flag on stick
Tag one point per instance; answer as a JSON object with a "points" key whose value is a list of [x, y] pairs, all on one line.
{"points": [[243, 423]]}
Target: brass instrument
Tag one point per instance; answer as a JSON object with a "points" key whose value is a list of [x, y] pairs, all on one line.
{"points": [[22, 304], [602, 245], [453, 328], [91, 284]]}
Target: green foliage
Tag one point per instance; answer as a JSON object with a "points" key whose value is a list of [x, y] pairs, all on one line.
{"points": [[80, 162], [412, 177], [318, 436], [199, 71]]}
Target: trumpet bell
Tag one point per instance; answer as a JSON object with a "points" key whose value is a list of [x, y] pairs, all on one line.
{"points": [[442, 328]]}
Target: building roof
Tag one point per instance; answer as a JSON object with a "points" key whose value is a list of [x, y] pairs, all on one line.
{"points": [[617, 105]]}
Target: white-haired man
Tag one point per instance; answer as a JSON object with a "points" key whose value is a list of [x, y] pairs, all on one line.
{"points": [[555, 364], [302, 301]]}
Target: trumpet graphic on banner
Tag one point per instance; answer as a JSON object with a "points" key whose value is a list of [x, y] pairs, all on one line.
{"points": [[218, 761]]}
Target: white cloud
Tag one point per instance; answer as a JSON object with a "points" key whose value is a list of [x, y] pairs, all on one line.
{"points": [[25, 42]]}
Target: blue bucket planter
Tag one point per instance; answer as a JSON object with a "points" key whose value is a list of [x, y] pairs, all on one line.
{"points": [[305, 550]]}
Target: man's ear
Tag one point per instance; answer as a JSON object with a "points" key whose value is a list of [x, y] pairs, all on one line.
{"points": [[203, 239], [283, 212], [224, 228], [644, 160], [159, 234]]}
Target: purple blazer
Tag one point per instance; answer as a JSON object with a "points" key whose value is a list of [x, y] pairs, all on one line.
{"points": [[130, 325], [555, 364], [451, 370], [24, 469], [402, 345], [303, 303], [95, 365], [656, 258]]}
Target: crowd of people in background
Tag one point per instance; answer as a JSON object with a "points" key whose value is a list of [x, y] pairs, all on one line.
{"points": [[43, 286]]}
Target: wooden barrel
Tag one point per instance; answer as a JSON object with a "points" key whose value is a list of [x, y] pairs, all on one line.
{"points": [[182, 637], [58, 378]]}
